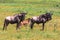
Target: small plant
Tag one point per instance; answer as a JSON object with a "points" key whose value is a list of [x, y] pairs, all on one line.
{"points": [[55, 25], [57, 5], [18, 36]]}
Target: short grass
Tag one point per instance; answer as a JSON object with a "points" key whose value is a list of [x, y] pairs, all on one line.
{"points": [[34, 8]]}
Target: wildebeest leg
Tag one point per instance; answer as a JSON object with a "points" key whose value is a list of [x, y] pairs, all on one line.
{"points": [[5, 25], [18, 24], [31, 25], [43, 26]]}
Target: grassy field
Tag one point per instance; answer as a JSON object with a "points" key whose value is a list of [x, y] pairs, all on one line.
{"points": [[34, 8]]}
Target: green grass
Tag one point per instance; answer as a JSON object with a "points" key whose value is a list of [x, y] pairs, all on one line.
{"points": [[34, 8]]}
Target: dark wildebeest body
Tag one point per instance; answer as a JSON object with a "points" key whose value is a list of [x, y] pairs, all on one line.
{"points": [[40, 19], [14, 19]]}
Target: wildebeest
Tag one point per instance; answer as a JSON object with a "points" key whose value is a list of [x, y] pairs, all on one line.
{"points": [[25, 22], [17, 18], [41, 19]]}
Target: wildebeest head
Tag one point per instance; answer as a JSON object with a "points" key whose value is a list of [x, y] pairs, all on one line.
{"points": [[22, 15], [49, 16]]}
